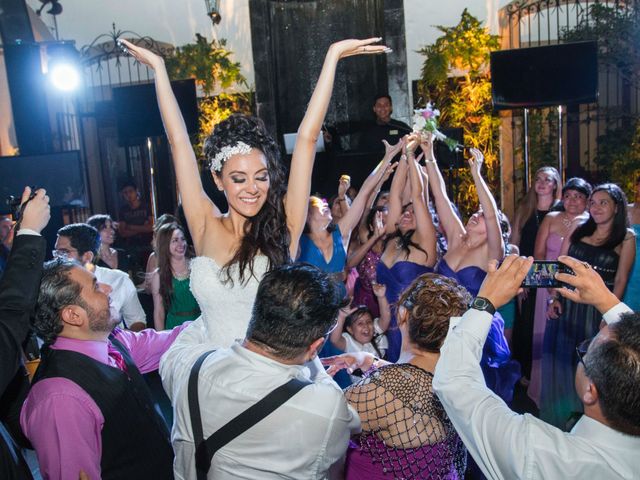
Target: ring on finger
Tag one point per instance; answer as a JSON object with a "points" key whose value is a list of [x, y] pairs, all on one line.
{"points": [[586, 265]]}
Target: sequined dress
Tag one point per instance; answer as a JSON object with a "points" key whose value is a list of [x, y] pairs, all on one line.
{"points": [[578, 322], [425, 447], [363, 291]]}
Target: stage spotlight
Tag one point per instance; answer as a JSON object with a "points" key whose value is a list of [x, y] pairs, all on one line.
{"points": [[65, 76], [63, 68]]}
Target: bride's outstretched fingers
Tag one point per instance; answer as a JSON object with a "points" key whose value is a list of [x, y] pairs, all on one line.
{"points": [[144, 56], [348, 48]]}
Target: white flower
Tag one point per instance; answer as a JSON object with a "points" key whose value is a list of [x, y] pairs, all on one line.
{"points": [[419, 122]]}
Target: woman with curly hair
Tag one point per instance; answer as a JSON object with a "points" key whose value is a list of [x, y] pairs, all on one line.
{"points": [[406, 432], [173, 302], [266, 214]]}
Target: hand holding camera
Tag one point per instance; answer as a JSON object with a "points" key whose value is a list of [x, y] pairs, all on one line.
{"points": [[35, 210]]}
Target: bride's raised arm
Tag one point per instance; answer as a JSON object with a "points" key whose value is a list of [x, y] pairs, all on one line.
{"points": [[197, 205], [297, 198]]}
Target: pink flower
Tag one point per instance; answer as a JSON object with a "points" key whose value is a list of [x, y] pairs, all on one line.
{"points": [[427, 114]]}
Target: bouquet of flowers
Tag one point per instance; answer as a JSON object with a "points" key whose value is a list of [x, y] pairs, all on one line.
{"points": [[426, 120]]}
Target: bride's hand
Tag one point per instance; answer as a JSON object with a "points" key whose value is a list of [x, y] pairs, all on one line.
{"points": [[348, 48], [144, 56]]}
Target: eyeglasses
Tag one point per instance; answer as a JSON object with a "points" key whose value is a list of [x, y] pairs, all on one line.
{"points": [[581, 350], [62, 252]]}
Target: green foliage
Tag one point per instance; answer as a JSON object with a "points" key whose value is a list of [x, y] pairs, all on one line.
{"points": [[212, 67], [464, 101]]}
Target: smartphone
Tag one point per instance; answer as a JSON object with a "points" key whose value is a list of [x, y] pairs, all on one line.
{"points": [[542, 274]]}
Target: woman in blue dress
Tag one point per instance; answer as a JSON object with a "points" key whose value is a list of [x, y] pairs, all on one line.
{"points": [[410, 245], [471, 246], [324, 243]]}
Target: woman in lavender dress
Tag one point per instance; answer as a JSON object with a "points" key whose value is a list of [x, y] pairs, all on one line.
{"points": [[471, 246], [426, 446], [410, 247]]}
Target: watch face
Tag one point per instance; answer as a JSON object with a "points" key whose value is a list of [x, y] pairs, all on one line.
{"points": [[480, 303]]}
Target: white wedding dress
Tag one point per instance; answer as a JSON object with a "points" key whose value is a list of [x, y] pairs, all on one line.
{"points": [[226, 308]]}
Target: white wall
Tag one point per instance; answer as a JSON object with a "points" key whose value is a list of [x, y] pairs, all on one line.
{"points": [[171, 21]]}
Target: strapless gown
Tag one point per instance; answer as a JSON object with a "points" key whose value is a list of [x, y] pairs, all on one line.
{"points": [[397, 278], [554, 243], [500, 372], [632, 294], [226, 307]]}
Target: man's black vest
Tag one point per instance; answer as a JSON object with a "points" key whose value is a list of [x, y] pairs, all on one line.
{"points": [[135, 439]]}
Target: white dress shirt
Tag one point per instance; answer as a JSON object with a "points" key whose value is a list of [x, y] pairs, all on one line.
{"points": [[510, 446], [306, 438], [123, 296]]}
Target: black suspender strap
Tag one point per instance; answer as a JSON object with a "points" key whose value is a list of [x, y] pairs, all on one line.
{"points": [[206, 449]]}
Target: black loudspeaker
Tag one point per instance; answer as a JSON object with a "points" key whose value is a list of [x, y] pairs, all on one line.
{"points": [[137, 111], [546, 76], [444, 156], [59, 173]]}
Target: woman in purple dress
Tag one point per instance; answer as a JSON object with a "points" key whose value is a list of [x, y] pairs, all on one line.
{"points": [[471, 246], [405, 431], [410, 246]]}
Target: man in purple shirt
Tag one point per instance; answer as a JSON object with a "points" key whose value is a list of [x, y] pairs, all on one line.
{"points": [[89, 408]]}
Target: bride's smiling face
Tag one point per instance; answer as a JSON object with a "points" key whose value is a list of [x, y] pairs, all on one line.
{"points": [[244, 179]]}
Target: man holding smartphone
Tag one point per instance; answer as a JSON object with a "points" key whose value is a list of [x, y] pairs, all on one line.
{"points": [[606, 440]]}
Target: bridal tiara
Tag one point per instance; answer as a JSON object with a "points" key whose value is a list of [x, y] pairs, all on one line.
{"points": [[226, 152]]}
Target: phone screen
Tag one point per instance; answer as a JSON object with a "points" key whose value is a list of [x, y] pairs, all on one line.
{"points": [[542, 274]]}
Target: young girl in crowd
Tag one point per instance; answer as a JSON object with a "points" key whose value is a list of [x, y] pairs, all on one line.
{"points": [[358, 331], [266, 213], [173, 302]]}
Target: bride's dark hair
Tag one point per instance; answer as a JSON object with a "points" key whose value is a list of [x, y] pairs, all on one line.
{"points": [[267, 231]]}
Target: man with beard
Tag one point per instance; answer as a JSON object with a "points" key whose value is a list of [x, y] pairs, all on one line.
{"points": [[89, 408]]}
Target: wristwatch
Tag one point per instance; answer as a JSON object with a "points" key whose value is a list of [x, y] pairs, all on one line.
{"points": [[482, 304]]}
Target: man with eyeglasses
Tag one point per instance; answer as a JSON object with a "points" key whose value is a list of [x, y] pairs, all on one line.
{"points": [[274, 369], [605, 442], [80, 242]]}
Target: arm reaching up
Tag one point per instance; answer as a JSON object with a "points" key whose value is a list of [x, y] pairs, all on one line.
{"points": [[451, 224], [296, 200], [197, 205]]}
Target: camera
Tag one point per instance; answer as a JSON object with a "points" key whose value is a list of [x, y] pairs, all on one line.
{"points": [[15, 206]]}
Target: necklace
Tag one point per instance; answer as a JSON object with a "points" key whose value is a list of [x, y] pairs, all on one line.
{"points": [[566, 221]]}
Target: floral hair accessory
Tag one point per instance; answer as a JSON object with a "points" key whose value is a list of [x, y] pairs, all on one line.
{"points": [[426, 120], [226, 152]]}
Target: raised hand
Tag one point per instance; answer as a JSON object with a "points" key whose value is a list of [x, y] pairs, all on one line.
{"points": [[411, 143], [475, 162], [37, 212], [343, 185], [502, 284], [379, 228], [426, 144], [391, 151], [144, 56], [588, 285], [348, 48], [379, 289]]}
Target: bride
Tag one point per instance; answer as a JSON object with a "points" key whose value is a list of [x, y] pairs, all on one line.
{"points": [[266, 217]]}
